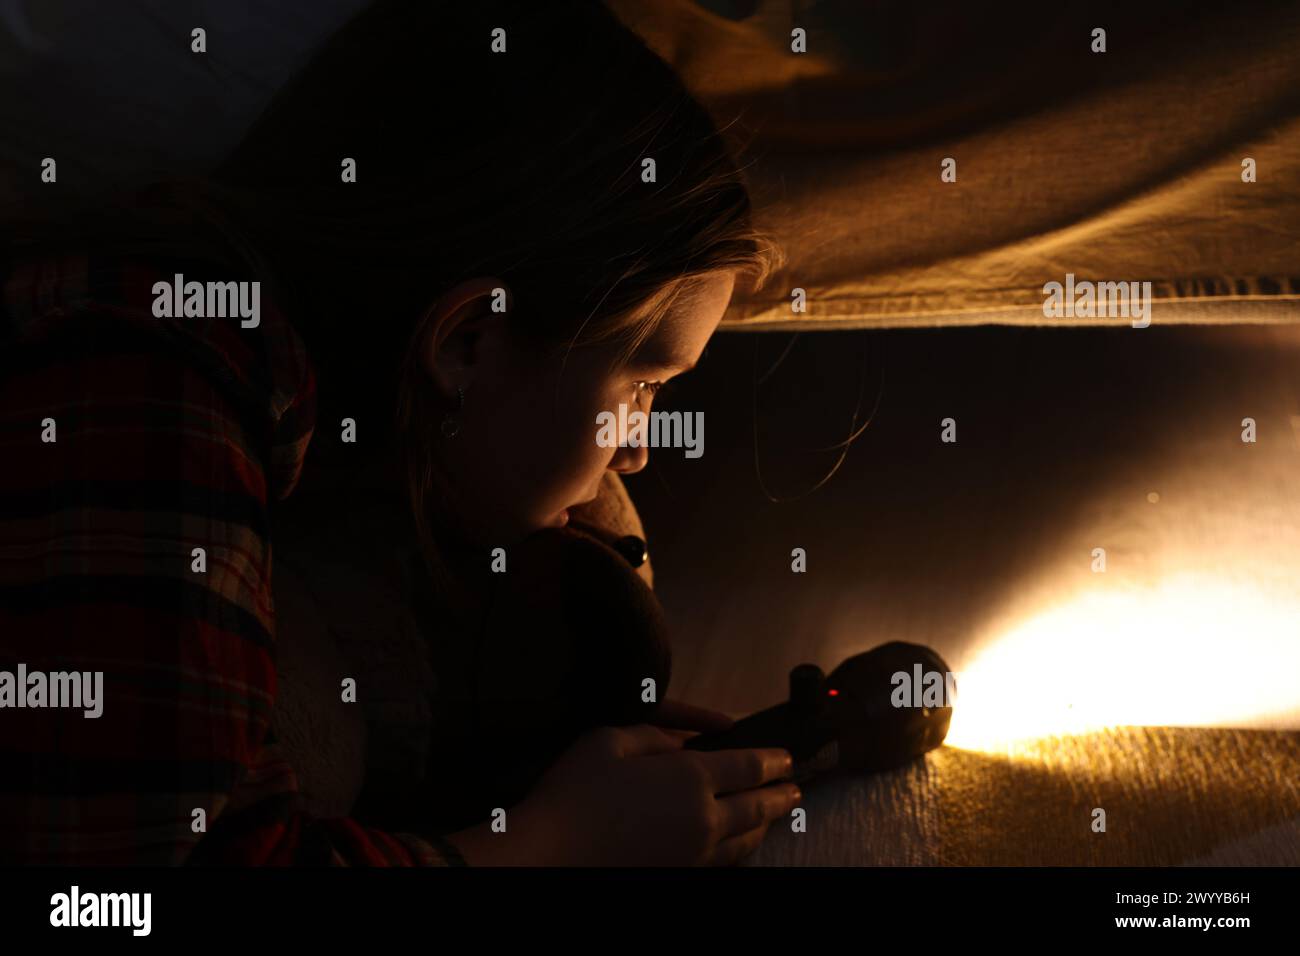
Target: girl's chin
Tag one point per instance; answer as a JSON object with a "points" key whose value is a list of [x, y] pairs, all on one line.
{"points": [[559, 520]]}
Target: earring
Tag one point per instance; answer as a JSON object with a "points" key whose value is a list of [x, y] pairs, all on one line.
{"points": [[450, 423]]}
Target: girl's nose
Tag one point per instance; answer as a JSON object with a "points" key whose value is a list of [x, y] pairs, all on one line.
{"points": [[629, 460]]}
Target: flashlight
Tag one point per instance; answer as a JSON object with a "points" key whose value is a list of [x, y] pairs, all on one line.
{"points": [[863, 717]]}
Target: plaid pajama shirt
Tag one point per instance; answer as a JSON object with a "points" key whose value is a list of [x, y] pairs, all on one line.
{"points": [[170, 435]]}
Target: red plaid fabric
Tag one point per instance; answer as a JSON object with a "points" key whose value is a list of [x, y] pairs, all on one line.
{"points": [[169, 435]]}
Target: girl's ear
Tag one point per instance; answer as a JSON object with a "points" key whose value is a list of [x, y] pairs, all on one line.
{"points": [[465, 331]]}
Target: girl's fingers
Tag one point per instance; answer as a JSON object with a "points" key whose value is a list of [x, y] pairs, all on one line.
{"points": [[682, 716], [753, 810], [640, 740], [735, 770], [734, 849]]}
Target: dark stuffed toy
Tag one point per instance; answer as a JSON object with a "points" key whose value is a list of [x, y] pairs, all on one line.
{"points": [[571, 638]]}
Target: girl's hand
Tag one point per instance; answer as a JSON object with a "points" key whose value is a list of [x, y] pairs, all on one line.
{"points": [[677, 715], [631, 796]]}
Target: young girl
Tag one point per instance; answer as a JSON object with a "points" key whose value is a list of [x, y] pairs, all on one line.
{"points": [[463, 252]]}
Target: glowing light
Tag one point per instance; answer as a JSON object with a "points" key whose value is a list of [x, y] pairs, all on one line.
{"points": [[833, 692], [1191, 651]]}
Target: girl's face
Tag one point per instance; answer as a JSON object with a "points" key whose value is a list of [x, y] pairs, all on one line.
{"points": [[527, 449]]}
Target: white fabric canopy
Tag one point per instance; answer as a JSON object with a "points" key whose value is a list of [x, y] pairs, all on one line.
{"points": [[1117, 166]]}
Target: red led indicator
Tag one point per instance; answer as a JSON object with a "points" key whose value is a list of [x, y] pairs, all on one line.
{"points": [[833, 692]]}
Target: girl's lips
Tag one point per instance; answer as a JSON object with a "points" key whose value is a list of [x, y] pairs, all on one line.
{"points": [[561, 519]]}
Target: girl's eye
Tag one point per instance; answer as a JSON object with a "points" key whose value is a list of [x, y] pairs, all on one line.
{"points": [[647, 388]]}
